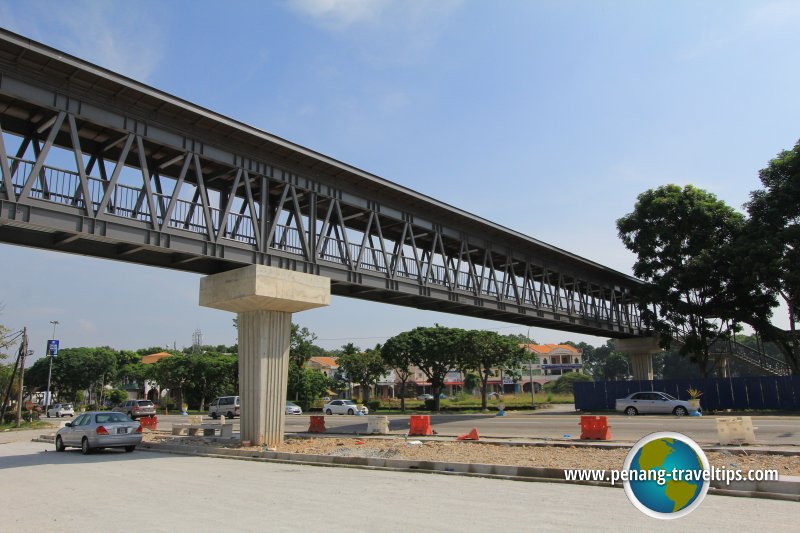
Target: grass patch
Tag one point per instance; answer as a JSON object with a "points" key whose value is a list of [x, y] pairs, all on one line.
{"points": [[36, 424]]}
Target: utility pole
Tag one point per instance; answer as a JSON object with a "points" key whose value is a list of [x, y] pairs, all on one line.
{"points": [[24, 352], [530, 369], [50, 370]]}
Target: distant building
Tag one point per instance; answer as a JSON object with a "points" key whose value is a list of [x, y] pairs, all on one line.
{"points": [[326, 365], [151, 390]]}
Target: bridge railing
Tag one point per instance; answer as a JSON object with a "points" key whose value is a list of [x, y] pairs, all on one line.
{"points": [[64, 187]]}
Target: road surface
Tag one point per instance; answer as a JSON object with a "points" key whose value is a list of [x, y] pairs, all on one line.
{"points": [[146, 491]]}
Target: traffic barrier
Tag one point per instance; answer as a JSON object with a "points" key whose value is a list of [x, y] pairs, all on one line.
{"points": [[595, 428], [378, 425], [196, 419], [736, 430], [472, 435], [317, 424], [420, 425], [149, 422]]}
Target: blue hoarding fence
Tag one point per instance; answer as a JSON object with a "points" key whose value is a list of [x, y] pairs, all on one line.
{"points": [[765, 392]]}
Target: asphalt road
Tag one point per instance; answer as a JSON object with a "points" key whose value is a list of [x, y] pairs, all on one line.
{"points": [[777, 430], [146, 491]]}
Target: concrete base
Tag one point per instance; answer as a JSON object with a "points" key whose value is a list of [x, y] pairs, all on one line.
{"points": [[264, 298], [640, 351]]}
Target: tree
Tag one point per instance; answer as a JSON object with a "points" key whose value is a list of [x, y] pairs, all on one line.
{"points": [[396, 354], [172, 373], [364, 368], [306, 385], [681, 237], [566, 383], [117, 396], [486, 352], [301, 345], [210, 375], [435, 351], [773, 242]]}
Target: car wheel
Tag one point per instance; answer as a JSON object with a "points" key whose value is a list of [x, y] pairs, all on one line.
{"points": [[350, 412], [229, 415], [214, 416], [129, 449], [60, 444], [48, 415], [328, 412], [680, 411], [631, 411], [58, 415], [85, 449]]}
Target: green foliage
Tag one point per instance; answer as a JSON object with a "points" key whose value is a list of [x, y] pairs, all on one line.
{"points": [[435, 351], [565, 384], [301, 345], [364, 368], [683, 239], [485, 352], [771, 249], [306, 385], [396, 354], [471, 382], [117, 396]]}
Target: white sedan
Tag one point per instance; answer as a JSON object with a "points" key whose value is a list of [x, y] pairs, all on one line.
{"points": [[343, 407], [653, 403], [61, 409], [293, 409]]}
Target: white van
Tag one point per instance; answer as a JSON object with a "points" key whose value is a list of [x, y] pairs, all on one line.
{"points": [[227, 406]]}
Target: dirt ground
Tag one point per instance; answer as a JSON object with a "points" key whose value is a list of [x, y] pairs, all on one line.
{"points": [[475, 452]]}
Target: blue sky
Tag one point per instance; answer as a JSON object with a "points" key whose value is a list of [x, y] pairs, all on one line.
{"points": [[548, 117]]}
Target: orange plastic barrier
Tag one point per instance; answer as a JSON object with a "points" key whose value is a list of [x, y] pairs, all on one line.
{"points": [[472, 435], [317, 424], [595, 428], [420, 425], [149, 422]]}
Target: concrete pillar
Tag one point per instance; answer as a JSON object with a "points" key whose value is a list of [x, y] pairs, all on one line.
{"points": [[640, 351], [264, 298]]}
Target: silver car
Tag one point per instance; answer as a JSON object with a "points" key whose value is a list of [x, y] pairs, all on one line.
{"points": [[653, 403], [293, 409], [100, 429], [344, 407], [61, 409], [137, 408]]}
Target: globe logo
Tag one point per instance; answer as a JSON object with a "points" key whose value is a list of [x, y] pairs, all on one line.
{"points": [[668, 475]]}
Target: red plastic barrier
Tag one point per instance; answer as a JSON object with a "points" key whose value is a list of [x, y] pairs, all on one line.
{"points": [[317, 424], [595, 428], [420, 425], [149, 422]]}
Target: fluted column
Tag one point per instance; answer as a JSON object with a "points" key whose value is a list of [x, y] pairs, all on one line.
{"points": [[264, 298], [263, 369], [640, 351]]}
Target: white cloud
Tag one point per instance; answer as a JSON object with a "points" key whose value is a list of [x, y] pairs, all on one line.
{"points": [[340, 14], [343, 14], [118, 37]]}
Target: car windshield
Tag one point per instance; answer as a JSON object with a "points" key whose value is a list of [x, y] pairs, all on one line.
{"points": [[105, 418], [66, 406], [291, 404], [348, 402], [147, 403]]}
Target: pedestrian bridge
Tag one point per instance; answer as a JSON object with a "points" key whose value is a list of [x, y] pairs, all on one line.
{"points": [[98, 164]]}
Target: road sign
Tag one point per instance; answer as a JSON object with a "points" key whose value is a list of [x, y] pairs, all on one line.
{"points": [[52, 347]]}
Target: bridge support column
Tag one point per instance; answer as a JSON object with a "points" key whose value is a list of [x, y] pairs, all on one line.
{"points": [[264, 298], [640, 351]]}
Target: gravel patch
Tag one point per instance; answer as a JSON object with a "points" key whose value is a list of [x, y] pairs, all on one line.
{"points": [[583, 457]]}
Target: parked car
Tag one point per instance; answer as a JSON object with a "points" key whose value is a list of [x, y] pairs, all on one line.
{"points": [[653, 403], [137, 408], [425, 397], [61, 409], [293, 409], [227, 406], [344, 407], [100, 429]]}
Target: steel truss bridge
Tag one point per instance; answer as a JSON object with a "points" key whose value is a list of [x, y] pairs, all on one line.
{"points": [[95, 163]]}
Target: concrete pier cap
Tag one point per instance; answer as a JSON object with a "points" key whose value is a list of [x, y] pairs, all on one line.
{"points": [[264, 288], [264, 298]]}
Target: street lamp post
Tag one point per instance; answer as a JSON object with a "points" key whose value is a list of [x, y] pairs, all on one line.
{"points": [[50, 370]]}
